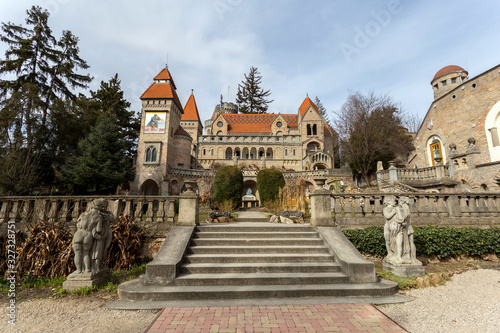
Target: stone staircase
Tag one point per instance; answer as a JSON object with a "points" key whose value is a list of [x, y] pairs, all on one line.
{"points": [[253, 260]]}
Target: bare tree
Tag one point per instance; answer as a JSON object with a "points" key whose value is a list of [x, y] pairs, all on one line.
{"points": [[370, 129]]}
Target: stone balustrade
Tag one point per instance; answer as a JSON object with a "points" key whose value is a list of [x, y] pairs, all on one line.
{"points": [[457, 209], [423, 205], [67, 209], [402, 174]]}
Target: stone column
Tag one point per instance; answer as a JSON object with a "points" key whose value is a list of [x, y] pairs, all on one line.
{"points": [[321, 210], [188, 205]]}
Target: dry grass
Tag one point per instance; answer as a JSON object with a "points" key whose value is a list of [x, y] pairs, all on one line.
{"points": [[47, 250]]}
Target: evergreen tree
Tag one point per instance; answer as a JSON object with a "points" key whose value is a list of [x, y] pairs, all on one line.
{"points": [[109, 99], [43, 72], [102, 165], [251, 98], [322, 110]]}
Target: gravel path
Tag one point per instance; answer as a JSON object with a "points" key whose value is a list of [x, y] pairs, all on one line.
{"points": [[468, 303], [74, 315]]}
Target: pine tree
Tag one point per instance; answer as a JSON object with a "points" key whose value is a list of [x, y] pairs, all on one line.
{"points": [[43, 71], [101, 166], [322, 110], [251, 98]]}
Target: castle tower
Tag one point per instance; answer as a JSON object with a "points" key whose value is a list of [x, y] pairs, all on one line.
{"points": [[191, 123], [160, 121], [447, 79]]}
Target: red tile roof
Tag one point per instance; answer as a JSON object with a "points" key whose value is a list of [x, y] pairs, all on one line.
{"points": [[161, 90], [191, 110], [448, 69], [256, 123], [305, 105], [165, 75]]}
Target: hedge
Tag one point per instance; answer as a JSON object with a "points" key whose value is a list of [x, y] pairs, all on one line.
{"points": [[228, 185], [430, 240], [269, 182]]}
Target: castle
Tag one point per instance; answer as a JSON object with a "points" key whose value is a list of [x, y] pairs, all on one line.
{"points": [[171, 138], [460, 130]]}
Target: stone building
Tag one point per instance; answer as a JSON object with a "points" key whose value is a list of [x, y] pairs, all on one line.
{"points": [[172, 146], [460, 130], [163, 143], [301, 141]]}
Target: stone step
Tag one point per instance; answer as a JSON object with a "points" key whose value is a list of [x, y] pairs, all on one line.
{"points": [[135, 290], [255, 227], [257, 249], [259, 258], [255, 241], [285, 267], [248, 235], [229, 279]]}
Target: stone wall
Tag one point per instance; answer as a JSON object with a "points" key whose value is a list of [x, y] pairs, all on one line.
{"points": [[456, 116]]}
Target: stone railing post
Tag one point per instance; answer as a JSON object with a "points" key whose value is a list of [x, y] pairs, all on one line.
{"points": [[393, 173], [187, 201], [321, 210], [15, 214], [170, 210]]}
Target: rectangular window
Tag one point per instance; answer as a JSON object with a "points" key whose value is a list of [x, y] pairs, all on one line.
{"points": [[443, 82], [454, 80]]}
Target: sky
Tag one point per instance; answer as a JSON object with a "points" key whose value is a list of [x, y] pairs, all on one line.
{"points": [[301, 48]]}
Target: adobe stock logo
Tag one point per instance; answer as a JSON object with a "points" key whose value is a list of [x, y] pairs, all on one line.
{"points": [[372, 29]]}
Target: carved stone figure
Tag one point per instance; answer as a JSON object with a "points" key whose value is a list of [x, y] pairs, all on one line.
{"points": [[401, 256], [90, 244]]}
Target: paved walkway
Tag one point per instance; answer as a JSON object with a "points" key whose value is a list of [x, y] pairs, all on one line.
{"points": [[273, 318]]}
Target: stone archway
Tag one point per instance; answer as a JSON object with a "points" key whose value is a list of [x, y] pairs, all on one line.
{"points": [[149, 187]]}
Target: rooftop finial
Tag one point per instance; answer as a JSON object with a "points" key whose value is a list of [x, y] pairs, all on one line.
{"points": [[192, 91], [307, 95], [166, 64]]}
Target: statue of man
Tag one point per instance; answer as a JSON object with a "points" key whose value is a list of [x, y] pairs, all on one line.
{"points": [[92, 237]]}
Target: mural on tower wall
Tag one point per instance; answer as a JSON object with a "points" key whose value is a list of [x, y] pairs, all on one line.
{"points": [[155, 122]]}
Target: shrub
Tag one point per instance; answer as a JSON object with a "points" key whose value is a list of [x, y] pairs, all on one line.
{"points": [[430, 240], [269, 182], [228, 185]]}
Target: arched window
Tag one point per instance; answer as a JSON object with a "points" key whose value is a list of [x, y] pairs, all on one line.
{"points": [[435, 151], [492, 129], [204, 151], [151, 154], [314, 130], [308, 129]]}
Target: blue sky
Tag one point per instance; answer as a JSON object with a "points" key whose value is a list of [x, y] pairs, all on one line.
{"points": [[321, 48]]}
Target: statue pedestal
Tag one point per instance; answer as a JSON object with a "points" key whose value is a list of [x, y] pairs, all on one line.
{"points": [[404, 270], [79, 280]]}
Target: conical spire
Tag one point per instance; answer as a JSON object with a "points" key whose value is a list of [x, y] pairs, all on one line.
{"points": [[191, 110]]}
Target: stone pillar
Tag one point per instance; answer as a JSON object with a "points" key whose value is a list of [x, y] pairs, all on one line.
{"points": [[187, 201], [263, 162], [321, 210], [393, 173]]}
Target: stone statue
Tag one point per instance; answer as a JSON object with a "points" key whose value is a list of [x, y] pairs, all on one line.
{"points": [[398, 233], [249, 191], [92, 237]]}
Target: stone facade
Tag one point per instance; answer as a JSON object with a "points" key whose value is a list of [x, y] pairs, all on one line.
{"points": [[302, 141], [171, 138], [460, 129]]}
